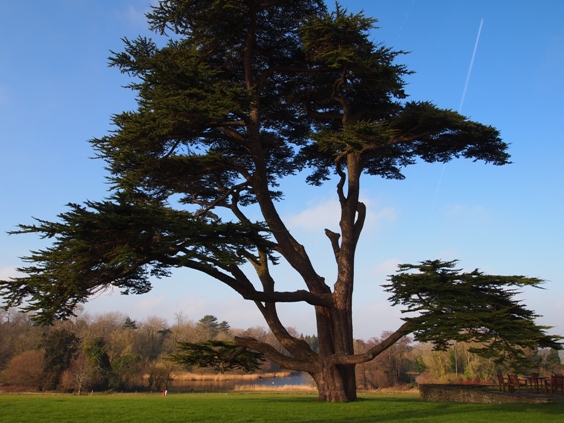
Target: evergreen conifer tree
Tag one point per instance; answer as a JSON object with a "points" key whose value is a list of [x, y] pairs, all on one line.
{"points": [[244, 94]]}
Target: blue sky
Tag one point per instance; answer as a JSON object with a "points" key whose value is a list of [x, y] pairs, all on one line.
{"points": [[56, 92]]}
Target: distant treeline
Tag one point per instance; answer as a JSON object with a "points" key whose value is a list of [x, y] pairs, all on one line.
{"points": [[113, 352]]}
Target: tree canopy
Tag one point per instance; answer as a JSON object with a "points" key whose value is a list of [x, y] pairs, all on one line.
{"points": [[242, 95], [451, 305], [219, 355]]}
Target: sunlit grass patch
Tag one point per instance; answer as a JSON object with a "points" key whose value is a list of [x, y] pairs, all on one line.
{"points": [[266, 406]]}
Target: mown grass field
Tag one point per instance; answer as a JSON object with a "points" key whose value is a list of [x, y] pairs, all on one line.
{"points": [[260, 407]]}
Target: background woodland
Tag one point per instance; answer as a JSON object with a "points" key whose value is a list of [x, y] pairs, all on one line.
{"points": [[111, 352]]}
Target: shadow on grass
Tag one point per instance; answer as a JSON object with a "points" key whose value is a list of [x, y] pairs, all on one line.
{"points": [[392, 408]]}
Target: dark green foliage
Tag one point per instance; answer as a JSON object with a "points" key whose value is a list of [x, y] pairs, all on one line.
{"points": [[222, 356], [155, 342], [121, 244], [192, 137], [95, 351], [124, 371], [449, 305], [214, 131], [419, 365], [210, 326], [129, 324], [239, 96], [60, 348], [552, 361]]}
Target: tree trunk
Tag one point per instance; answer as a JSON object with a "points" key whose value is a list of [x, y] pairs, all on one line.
{"points": [[336, 383]]}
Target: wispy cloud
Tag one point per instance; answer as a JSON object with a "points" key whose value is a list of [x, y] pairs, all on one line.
{"points": [[317, 216], [374, 220], [385, 268], [374, 318], [326, 214]]}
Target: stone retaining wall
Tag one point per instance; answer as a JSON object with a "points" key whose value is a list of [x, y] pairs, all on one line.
{"points": [[476, 394]]}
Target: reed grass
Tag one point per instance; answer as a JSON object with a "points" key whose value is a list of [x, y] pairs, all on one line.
{"points": [[219, 377], [282, 388]]}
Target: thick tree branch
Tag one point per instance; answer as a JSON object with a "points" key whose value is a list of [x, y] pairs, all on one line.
{"points": [[292, 250], [342, 178], [209, 206], [375, 351], [334, 238], [248, 291], [359, 223], [338, 94], [323, 300], [271, 353], [297, 347], [232, 134]]}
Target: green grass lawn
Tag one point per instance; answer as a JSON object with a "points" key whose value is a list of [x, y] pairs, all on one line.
{"points": [[259, 407]]}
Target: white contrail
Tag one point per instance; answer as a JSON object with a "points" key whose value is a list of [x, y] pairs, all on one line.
{"points": [[460, 107], [471, 65]]}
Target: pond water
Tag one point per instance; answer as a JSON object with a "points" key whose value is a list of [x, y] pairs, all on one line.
{"points": [[229, 385]]}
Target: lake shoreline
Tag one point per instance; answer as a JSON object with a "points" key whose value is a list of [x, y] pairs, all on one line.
{"points": [[197, 377]]}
